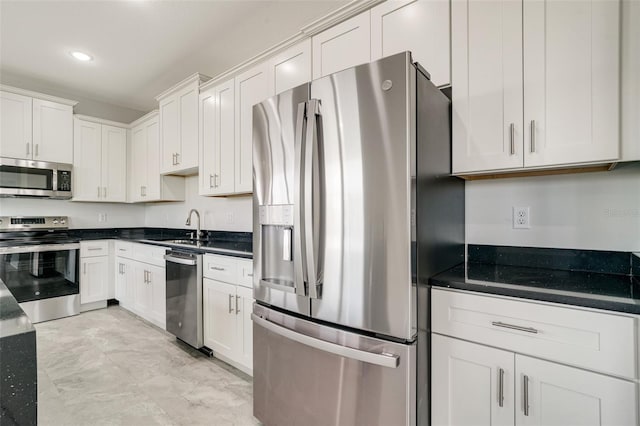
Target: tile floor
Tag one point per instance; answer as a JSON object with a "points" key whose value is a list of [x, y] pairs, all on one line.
{"points": [[109, 367]]}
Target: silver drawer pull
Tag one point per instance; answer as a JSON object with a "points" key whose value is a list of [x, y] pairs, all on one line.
{"points": [[94, 248], [121, 249], [501, 388], [250, 275], [514, 327], [526, 395], [217, 268]]}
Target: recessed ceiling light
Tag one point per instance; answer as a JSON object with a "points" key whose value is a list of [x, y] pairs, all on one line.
{"points": [[81, 56]]}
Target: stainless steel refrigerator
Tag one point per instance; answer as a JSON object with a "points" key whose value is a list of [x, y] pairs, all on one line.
{"points": [[354, 209]]}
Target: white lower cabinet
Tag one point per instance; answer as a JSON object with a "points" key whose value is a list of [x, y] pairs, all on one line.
{"points": [[141, 281], [94, 271], [475, 384], [228, 329]]}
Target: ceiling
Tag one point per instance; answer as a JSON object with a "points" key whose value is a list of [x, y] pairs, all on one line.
{"points": [[140, 47]]}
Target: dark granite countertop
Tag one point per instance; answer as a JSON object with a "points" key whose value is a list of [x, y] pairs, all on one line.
{"points": [[13, 320], [603, 281]]}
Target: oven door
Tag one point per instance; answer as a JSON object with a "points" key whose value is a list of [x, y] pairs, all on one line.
{"points": [[44, 279]]}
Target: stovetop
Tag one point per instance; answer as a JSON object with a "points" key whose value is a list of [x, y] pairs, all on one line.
{"points": [[8, 239]]}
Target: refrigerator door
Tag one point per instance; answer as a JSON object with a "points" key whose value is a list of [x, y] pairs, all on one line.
{"points": [[309, 374], [278, 127], [359, 197]]}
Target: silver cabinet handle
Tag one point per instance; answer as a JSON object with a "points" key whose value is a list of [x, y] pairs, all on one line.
{"points": [[237, 308], [217, 268], [210, 179], [37, 146], [533, 135], [230, 301], [250, 275], [177, 158], [148, 277], [501, 387], [98, 192], [514, 327], [84, 268], [28, 147], [144, 191], [526, 395], [141, 192], [121, 249], [381, 359], [512, 136], [104, 190], [94, 248]]}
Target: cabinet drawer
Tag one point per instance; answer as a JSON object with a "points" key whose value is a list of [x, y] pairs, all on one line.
{"points": [[124, 249], [596, 341], [147, 253], [94, 248], [245, 273], [221, 268]]}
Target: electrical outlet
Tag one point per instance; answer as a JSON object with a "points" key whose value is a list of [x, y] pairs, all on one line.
{"points": [[521, 217]]}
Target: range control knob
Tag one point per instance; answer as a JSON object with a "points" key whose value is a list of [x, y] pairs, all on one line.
{"points": [[55, 221], [62, 221]]}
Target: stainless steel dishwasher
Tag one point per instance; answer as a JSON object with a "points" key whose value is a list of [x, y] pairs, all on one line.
{"points": [[184, 296]]}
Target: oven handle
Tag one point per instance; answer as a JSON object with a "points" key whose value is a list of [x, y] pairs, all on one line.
{"points": [[180, 260], [39, 248], [381, 359]]}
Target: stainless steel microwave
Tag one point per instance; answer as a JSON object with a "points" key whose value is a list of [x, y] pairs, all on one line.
{"points": [[27, 178]]}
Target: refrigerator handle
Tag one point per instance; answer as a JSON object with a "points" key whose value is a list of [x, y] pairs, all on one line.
{"points": [[381, 359], [298, 259], [311, 209]]}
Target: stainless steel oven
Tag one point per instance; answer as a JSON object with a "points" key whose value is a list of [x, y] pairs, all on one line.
{"points": [[40, 266], [27, 178]]}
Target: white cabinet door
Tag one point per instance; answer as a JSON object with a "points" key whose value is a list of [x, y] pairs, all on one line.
{"points": [[52, 132], [473, 384], [557, 395], [219, 317], [630, 86], [143, 292], [151, 188], [571, 81], [169, 132], [486, 61], [244, 307], [87, 161], [420, 26], [188, 124], [114, 164], [342, 46], [291, 67], [252, 87], [139, 162], [217, 133], [125, 282], [156, 280], [15, 126], [94, 279]]}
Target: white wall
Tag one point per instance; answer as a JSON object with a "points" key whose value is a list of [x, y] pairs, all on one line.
{"points": [[217, 213], [81, 215], [597, 211]]}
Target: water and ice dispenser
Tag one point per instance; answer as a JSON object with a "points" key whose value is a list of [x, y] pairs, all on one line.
{"points": [[276, 226]]}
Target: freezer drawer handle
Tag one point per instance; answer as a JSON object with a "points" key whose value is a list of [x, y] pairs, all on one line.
{"points": [[514, 327], [383, 360], [180, 260]]}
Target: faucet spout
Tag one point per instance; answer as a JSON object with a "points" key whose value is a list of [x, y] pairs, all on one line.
{"points": [[188, 222]]}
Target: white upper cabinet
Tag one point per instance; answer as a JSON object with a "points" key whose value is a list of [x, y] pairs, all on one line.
{"points": [[35, 128], [486, 85], [251, 87], [217, 139], [179, 126], [571, 81], [291, 67], [15, 126], [100, 161], [420, 26], [146, 184], [52, 132], [630, 85], [342, 46], [114, 164]]}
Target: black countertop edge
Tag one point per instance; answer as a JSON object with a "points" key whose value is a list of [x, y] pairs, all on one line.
{"points": [[204, 250], [609, 292], [13, 320]]}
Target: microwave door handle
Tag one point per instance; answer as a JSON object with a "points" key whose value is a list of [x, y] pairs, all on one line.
{"points": [[298, 220], [312, 216], [380, 359]]}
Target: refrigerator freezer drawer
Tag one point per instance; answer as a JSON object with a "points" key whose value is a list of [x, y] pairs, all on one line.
{"points": [[311, 374]]}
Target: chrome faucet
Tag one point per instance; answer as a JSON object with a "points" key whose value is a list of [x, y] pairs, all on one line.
{"points": [[188, 223]]}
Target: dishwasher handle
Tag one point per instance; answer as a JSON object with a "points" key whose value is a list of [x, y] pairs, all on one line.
{"points": [[181, 260]]}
